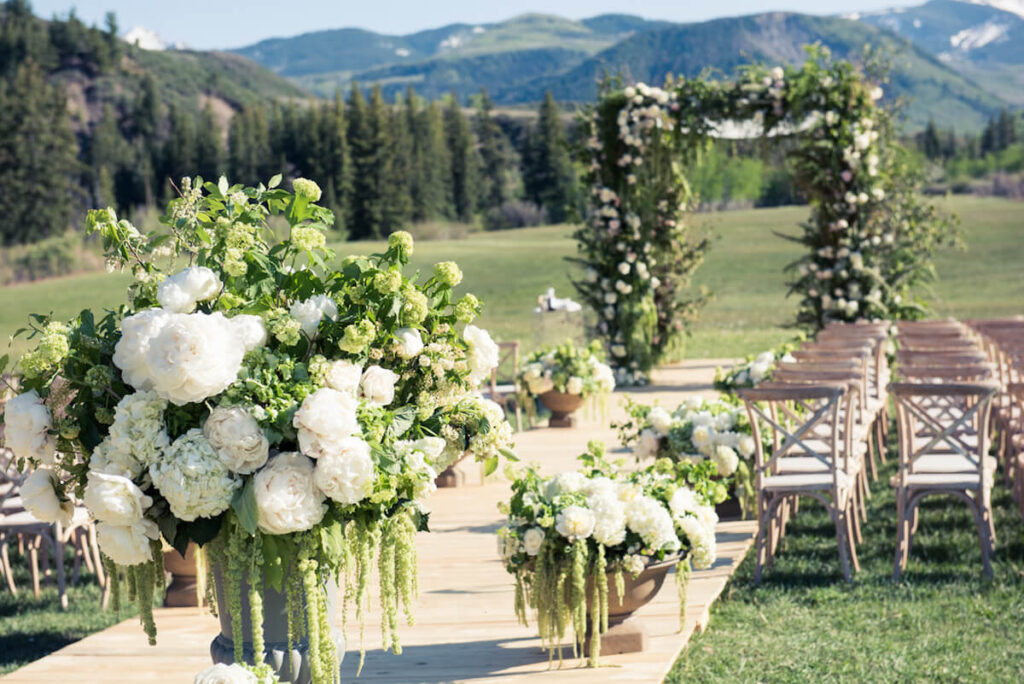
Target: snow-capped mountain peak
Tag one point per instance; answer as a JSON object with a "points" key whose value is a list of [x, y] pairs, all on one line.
{"points": [[1012, 6]]}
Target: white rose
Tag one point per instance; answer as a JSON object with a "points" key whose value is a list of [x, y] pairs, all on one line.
{"points": [[533, 539], [184, 358], [193, 479], [127, 544], [574, 385], [660, 420], [238, 439], [115, 499], [39, 496], [250, 331], [325, 418], [180, 292], [378, 385], [575, 523], [310, 312], [483, 353], [344, 376], [346, 475], [726, 460], [27, 422], [286, 498], [225, 674], [410, 343]]}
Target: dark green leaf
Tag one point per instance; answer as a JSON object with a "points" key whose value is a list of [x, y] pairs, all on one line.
{"points": [[203, 530], [244, 503]]}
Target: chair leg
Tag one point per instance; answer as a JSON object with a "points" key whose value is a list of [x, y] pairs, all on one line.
{"points": [[101, 572], [869, 456], [33, 560], [5, 561], [839, 518], [762, 524], [880, 437], [851, 523], [58, 552], [901, 535], [855, 524]]}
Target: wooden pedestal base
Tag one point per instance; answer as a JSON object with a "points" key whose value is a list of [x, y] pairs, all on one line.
{"points": [[628, 636], [464, 473], [562, 421]]}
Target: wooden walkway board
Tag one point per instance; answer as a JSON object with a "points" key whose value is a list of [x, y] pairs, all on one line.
{"points": [[465, 629]]}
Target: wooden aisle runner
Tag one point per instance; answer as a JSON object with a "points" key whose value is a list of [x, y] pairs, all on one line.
{"points": [[465, 630]]}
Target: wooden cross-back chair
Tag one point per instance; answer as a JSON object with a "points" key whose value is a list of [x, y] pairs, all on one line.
{"points": [[503, 381], [960, 440], [798, 416]]}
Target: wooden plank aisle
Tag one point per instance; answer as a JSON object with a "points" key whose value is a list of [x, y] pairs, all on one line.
{"points": [[465, 628]]}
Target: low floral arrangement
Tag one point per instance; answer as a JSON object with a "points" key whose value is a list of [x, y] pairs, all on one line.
{"points": [[579, 527], [286, 414], [718, 431], [568, 369], [753, 370]]}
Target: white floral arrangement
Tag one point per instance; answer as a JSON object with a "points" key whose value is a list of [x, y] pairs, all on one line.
{"points": [[568, 369], [753, 370], [582, 525], [287, 413]]}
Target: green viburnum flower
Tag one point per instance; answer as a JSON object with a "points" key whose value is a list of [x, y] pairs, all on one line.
{"points": [[318, 367], [307, 189], [467, 308], [448, 273], [387, 282], [53, 348], [415, 308], [285, 329], [69, 429], [357, 336], [234, 263], [104, 416], [228, 301], [99, 378], [401, 241], [308, 238]]}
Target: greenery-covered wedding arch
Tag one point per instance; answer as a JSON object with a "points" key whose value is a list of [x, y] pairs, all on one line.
{"points": [[870, 236]]}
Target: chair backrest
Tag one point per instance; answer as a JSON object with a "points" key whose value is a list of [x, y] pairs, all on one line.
{"points": [[507, 369], [966, 409], [797, 414], [939, 357], [972, 373]]}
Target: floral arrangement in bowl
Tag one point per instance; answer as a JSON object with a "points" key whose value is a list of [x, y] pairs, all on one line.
{"points": [[570, 535], [562, 377], [716, 430], [753, 370], [287, 414]]}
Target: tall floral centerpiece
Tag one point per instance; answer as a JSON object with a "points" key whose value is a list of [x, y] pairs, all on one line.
{"points": [[563, 377], [287, 414], [575, 539]]}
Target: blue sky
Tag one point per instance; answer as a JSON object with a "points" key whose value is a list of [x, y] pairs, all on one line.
{"points": [[211, 24]]}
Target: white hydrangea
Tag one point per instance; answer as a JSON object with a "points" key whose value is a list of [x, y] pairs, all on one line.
{"points": [[287, 499], [683, 502], [377, 385], [660, 420], [344, 376], [702, 542], [39, 496], [27, 425], [651, 520], [725, 459], [604, 377], [310, 312], [346, 475], [239, 440], [410, 343], [222, 673], [746, 446], [533, 540], [180, 292], [610, 517], [647, 444], [540, 385], [136, 439], [193, 479], [325, 418], [115, 499], [575, 523], [184, 358], [127, 544], [484, 445], [482, 355], [569, 482]]}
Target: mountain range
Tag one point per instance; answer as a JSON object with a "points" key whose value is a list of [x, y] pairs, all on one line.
{"points": [[957, 62]]}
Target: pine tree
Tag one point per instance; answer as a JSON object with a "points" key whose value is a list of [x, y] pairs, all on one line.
{"points": [[338, 162], [548, 175], [38, 158], [930, 145], [179, 153], [208, 160], [365, 155], [461, 146], [415, 125], [396, 203], [107, 155], [436, 199], [495, 157]]}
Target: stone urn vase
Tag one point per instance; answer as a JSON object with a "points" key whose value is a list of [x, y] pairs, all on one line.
{"points": [[563, 406], [626, 633], [184, 586], [289, 665]]}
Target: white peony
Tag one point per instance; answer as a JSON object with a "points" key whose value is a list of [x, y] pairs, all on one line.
{"points": [[344, 376], [574, 385], [115, 499], [346, 475], [432, 447], [250, 331], [533, 539], [239, 440], [310, 312], [609, 518], [193, 479], [410, 343], [378, 385], [184, 358], [225, 674], [27, 425], [651, 520], [127, 544], [575, 523], [180, 292], [39, 496], [660, 420], [482, 355], [286, 498], [647, 444], [325, 418]]}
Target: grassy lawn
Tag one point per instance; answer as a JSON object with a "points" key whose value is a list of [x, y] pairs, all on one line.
{"points": [[942, 623], [749, 313]]}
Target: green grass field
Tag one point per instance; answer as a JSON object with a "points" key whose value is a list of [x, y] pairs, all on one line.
{"points": [[750, 312]]}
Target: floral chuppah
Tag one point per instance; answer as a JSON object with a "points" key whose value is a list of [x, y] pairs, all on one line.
{"points": [[285, 414], [870, 238]]}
